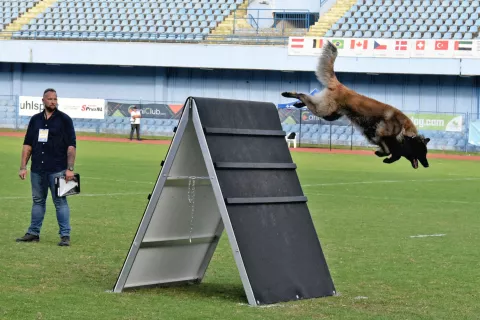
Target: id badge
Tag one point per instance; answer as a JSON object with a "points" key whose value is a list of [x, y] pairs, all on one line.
{"points": [[43, 135]]}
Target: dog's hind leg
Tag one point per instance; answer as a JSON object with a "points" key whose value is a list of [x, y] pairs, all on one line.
{"points": [[289, 94], [299, 104], [334, 116]]}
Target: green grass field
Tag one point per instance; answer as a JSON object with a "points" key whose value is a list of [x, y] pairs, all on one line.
{"points": [[365, 213]]}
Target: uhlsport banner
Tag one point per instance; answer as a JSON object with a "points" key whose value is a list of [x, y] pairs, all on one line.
{"points": [[147, 110], [387, 48], [437, 121], [74, 107]]}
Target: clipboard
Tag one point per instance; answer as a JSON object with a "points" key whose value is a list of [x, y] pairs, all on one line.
{"points": [[64, 189]]}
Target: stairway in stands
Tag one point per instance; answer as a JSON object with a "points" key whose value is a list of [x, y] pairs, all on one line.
{"points": [[24, 19], [326, 20]]}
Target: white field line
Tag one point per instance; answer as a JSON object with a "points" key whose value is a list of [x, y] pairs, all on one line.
{"points": [[346, 195], [85, 195], [118, 180], [386, 181], [428, 235]]}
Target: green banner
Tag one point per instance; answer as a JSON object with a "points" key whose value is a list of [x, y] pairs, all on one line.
{"points": [[434, 121]]}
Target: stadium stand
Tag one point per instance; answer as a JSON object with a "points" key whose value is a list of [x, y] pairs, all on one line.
{"points": [[426, 19], [11, 12], [126, 20]]}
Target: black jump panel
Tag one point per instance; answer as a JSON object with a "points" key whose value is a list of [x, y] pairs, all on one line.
{"points": [[253, 165], [248, 149], [245, 132], [237, 114], [281, 252], [259, 183], [265, 202]]}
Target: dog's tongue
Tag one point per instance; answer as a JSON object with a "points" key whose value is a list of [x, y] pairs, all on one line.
{"points": [[415, 163]]}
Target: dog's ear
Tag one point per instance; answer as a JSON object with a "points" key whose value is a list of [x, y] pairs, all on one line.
{"points": [[427, 140]]}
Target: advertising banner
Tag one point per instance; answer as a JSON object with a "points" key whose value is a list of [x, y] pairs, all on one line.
{"points": [[148, 110], [474, 133], [439, 122], [75, 108], [289, 116]]}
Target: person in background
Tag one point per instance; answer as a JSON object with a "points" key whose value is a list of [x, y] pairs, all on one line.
{"points": [[135, 116], [50, 140]]}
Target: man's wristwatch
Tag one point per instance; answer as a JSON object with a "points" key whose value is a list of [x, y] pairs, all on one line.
{"points": [[70, 168]]}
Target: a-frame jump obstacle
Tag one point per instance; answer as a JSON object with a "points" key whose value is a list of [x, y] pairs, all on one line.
{"points": [[229, 168]]}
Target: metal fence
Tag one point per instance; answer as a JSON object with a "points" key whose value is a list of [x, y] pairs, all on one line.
{"points": [[447, 131], [272, 22]]}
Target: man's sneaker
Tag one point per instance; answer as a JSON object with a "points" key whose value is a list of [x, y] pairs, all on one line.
{"points": [[65, 241], [28, 238]]}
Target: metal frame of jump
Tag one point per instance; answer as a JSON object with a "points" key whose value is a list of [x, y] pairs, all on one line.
{"points": [[187, 213]]}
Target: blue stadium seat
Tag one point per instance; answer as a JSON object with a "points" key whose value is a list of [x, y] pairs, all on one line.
{"points": [[453, 29], [393, 28], [417, 35]]}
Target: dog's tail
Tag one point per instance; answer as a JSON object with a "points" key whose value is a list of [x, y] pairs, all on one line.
{"points": [[324, 72]]}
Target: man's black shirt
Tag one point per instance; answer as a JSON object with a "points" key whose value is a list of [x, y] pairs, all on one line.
{"points": [[50, 155]]}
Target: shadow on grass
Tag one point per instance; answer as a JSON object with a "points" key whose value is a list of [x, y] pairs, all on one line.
{"points": [[230, 292]]}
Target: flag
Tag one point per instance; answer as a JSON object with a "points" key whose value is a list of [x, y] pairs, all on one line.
{"points": [[441, 45], [297, 43], [338, 43], [420, 45], [378, 46], [464, 45], [358, 44], [317, 43], [401, 45]]}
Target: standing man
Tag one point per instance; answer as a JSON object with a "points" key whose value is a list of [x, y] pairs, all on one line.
{"points": [[51, 142], [135, 116]]}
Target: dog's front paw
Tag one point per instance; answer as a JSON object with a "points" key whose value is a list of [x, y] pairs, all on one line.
{"points": [[288, 95], [387, 160], [379, 153]]}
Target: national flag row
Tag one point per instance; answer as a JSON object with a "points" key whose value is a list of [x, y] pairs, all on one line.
{"points": [[388, 48]]}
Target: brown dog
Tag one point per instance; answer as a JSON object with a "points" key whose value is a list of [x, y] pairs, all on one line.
{"points": [[375, 119]]}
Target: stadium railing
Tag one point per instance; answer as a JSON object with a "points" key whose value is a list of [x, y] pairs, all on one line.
{"points": [[276, 39]]}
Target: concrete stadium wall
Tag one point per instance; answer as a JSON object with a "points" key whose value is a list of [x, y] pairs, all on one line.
{"points": [[434, 93], [220, 56]]}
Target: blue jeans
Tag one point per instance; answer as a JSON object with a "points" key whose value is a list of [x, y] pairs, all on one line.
{"points": [[40, 184]]}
